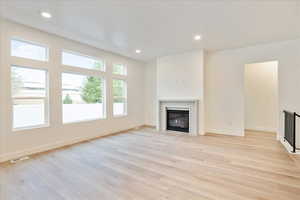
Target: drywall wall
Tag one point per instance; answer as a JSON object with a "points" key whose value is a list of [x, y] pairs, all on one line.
{"points": [[150, 93], [2, 90], [180, 75], [261, 96], [18, 143], [173, 76], [224, 83]]}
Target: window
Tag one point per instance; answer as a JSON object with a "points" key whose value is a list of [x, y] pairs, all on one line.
{"points": [[28, 50], [77, 60], [119, 69], [29, 96], [119, 97], [83, 98]]}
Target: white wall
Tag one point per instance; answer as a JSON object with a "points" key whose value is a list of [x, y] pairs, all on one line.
{"points": [[18, 143], [261, 96], [224, 86], [173, 76], [180, 75], [2, 91], [150, 93]]}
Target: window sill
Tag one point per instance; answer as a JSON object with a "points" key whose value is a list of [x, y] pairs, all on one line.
{"points": [[120, 116], [30, 127], [84, 120], [83, 68]]}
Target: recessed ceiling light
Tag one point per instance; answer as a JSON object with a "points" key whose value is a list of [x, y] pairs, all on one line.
{"points": [[197, 37], [46, 15], [138, 51]]}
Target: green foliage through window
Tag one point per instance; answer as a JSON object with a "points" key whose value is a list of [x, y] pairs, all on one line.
{"points": [[99, 65], [92, 91], [68, 99], [119, 91], [119, 69]]}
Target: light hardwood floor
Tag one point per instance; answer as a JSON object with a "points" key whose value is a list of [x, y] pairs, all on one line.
{"points": [[145, 164]]}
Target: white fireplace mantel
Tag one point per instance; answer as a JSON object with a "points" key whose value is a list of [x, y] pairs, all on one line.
{"points": [[178, 99], [190, 104]]}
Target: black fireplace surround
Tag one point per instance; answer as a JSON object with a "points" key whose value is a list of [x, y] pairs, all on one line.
{"points": [[178, 120]]}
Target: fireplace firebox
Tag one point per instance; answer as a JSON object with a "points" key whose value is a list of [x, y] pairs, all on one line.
{"points": [[178, 120]]}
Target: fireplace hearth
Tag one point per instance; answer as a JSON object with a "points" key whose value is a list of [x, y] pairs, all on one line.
{"points": [[178, 120]]}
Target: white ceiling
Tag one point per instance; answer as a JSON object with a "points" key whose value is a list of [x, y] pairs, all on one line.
{"points": [[161, 27]]}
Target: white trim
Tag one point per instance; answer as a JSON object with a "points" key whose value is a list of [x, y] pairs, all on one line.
{"points": [[79, 70], [288, 147], [120, 116], [46, 125], [179, 99], [86, 73], [28, 97], [45, 99], [84, 120], [23, 62], [263, 129], [224, 132]]}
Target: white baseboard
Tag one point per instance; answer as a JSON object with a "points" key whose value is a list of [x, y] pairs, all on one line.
{"points": [[225, 132], [263, 129], [288, 147], [55, 145], [150, 126]]}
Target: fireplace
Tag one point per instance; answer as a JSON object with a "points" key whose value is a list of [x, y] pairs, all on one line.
{"points": [[178, 120], [189, 115]]}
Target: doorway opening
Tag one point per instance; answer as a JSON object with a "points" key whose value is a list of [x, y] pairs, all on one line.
{"points": [[261, 97]]}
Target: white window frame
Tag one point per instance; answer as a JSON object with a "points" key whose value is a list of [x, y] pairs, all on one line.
{"points": [[31, 43], [126, 99], [104, 98], [45, 99], [83, 55]]}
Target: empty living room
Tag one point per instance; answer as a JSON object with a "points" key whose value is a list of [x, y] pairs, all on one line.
{"points": [[149, 100]]}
